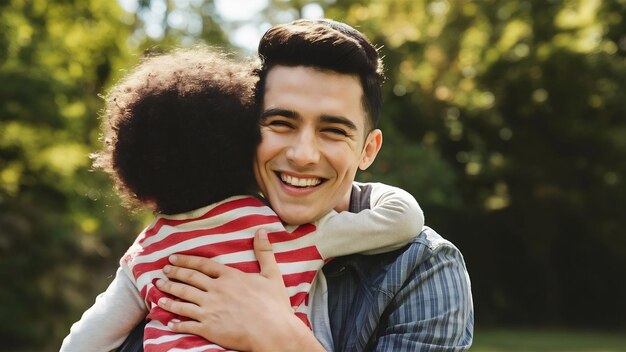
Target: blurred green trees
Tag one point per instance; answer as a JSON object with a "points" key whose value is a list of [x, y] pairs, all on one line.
{"points": [[55, 58], [504, 118]]}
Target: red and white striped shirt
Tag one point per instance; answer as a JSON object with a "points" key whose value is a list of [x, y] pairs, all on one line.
{"points": [[224, 232]]}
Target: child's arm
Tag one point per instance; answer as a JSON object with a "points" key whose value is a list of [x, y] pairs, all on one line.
{"points": [[105, 325], [392, 220]]}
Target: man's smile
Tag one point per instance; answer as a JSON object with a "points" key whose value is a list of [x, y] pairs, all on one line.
{"points": [[299, 181]]}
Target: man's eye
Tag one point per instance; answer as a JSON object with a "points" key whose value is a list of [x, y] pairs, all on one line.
{"points": [[337, 131], [279, 123]]}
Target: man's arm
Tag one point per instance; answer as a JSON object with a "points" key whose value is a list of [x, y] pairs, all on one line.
{"points": [[414, 299], [437, 298]]}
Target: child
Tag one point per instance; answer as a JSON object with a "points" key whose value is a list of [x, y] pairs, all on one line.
{"points": [[180, 136]]}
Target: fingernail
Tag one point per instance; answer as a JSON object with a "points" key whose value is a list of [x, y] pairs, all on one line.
{"points": [[173, 259], [160, 282], [167, 269], [262, 234], [162, 301]]}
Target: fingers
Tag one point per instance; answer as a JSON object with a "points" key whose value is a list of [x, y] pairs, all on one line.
{"points": [[186, 327], [181, 290], [186, 276], [265, 256], [185, 309], [201, 264]]}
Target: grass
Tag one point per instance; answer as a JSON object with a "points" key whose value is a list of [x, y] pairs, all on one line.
{"points": [[495, 340]]}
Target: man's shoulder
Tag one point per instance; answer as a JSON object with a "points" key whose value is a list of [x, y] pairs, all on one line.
{"points": [[424, 250], [427, 246], [425, 256], [432, 242]]}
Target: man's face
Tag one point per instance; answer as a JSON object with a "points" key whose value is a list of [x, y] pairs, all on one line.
{"points": [[313, 141]]}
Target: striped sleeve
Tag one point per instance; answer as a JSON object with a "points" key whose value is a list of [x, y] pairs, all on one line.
{"points": [[433, 311]]}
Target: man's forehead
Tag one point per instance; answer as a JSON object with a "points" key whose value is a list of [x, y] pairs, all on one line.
{"points": [[353, 77], [327, 93]]}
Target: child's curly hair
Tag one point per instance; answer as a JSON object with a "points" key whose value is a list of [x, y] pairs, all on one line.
{"points": [[180, 131]]}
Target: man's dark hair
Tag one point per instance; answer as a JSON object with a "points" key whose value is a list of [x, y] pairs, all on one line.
{"points": [[328, 45], [181, 131]]}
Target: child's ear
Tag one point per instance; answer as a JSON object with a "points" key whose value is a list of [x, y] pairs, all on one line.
{"points": [[151, 204], [373, 142]]}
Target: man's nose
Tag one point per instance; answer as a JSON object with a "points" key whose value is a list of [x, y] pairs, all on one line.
{"points": [[304, 150]]}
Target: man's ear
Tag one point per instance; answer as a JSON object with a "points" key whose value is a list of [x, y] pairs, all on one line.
{"points": [[373, 142]]}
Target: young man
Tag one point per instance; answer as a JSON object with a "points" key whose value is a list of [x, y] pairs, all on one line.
{"points": [[320, 91]]}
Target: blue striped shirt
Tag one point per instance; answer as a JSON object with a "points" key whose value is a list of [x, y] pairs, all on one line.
{"points": [[417, 298]]}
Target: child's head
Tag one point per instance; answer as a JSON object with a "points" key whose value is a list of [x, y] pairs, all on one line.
{"points": [[181, 130]]}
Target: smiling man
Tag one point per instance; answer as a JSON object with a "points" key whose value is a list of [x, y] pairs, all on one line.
{"points": [[319, 91], [314, 139]]}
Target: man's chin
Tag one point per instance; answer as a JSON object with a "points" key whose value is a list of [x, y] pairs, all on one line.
{"points": [[296, 220], [295, 217]]}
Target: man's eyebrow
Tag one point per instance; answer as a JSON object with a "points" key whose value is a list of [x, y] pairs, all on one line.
{"points": [[340, 120], [278, 112]]}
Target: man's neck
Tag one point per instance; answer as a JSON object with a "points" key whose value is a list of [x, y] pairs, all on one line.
{"points": [[344, 204]]}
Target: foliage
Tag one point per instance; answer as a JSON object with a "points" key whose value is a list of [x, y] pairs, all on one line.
{"points": [[54, 237]]}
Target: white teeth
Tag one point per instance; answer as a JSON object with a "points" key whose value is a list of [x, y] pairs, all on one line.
{"points": [[300, 182]]}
